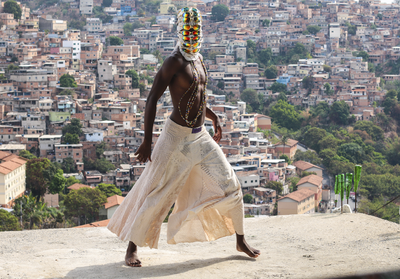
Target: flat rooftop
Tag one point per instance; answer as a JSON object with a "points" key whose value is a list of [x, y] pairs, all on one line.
{"points": [[293, 246]]}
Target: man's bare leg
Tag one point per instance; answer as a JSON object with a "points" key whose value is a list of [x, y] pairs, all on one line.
{"points": [[131, 257], [242, 246]]}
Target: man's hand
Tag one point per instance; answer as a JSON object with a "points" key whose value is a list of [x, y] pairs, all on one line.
{"points": [[144, 152], [217, 130]]}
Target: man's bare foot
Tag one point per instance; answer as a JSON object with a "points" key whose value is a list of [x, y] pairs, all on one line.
{"points": [[131, 257], [242, 246]]}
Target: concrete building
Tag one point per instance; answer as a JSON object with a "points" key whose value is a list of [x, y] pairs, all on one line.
{"points": [[93, 25], [12, 178], [86, 7], [302, 166], [107, 211], [74, 151], [76, 48], [106, 70], [334, 30], [314, 183], [46, 145], [298, 202], [46, 22]]}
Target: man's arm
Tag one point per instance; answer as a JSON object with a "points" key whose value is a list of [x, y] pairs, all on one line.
{"points": [[217, 127], [162, 79]]}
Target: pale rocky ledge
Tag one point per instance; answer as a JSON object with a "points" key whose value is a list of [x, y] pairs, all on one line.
{"points": [[294, 246]]}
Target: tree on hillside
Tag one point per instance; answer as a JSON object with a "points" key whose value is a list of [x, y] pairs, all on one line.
{"points": [[266, 22], [26, 154], [286, 158], [307, 156], [313, 29], [312, 137], [127, 29], [75, 127], [327, 68], [285, 115], [135, 78], [115, 41], [219, 12], [373, 130], [68, 165], [36, 182], [340, 112], [12, 7], [11, 67], [363, 54], [66, 80], [109, 189], [76, 24], [308, 82], [271, 72], [251, 49], [103, 166], [57, 183], [278, 87], [250, 96], [352, 152], [71, 138], [247, 198], [265, 56], [328, 89], [85, 202], [328, 141]]}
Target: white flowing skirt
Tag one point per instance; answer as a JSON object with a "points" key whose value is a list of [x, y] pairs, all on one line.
{"points": [[191, 171]]}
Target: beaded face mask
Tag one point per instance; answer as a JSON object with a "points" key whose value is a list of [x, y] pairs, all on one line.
{"points": [[189, 33]]}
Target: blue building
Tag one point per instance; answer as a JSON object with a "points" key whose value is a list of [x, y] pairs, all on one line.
{"points": [[284, 79]]}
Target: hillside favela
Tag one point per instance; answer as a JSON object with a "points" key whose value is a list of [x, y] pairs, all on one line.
{"points": [[307, 93]]}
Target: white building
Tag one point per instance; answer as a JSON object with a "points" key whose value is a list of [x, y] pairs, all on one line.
{"points": [[93, 134], [106, 70], [334, 30], [249, 181], [76, 48], [86, 7], [12, 178]]}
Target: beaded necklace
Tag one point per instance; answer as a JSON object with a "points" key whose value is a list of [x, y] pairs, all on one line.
{"points": [[193, 96]]}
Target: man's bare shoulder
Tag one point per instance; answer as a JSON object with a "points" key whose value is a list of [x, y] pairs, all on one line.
{"points": [[174, 61]]}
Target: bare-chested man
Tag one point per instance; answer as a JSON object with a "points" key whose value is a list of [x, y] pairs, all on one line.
{"points": [[187, 166]]}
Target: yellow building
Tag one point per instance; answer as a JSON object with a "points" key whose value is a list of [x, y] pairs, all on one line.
{"points": [[301, 201], [12, 178]]}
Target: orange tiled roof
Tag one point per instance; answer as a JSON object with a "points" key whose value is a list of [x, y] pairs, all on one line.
{"points": [[10, 162], [103, 223], [113, 201], [299, 195], [313, 179], [290, 142], [77, 186], [304, 165]]}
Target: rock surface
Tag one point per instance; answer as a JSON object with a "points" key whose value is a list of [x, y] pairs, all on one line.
{"points": [[305, 246]]}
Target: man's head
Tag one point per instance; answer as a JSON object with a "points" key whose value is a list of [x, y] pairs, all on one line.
{"points": [[189, 32]]}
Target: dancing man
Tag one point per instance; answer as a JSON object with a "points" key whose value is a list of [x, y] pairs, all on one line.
{"points": [[187, 167]]}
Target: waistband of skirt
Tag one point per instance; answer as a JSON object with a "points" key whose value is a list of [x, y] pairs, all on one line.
{"points": [[174, 127]]}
